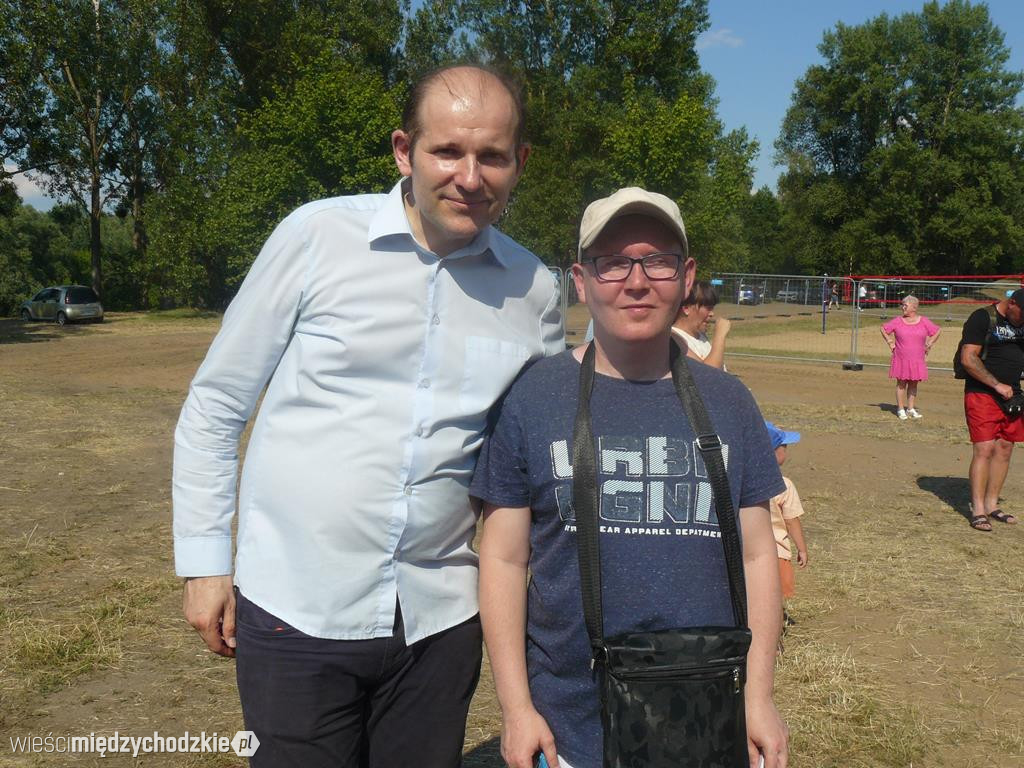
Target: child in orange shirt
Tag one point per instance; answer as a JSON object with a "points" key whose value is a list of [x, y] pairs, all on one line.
{"points": [[786, 512]]}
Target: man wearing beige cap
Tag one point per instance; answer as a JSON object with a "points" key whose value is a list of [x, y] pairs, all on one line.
{"points": [[661, 556]]}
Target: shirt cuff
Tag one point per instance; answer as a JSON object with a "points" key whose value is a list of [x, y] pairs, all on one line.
{"points": [[202, 556]]}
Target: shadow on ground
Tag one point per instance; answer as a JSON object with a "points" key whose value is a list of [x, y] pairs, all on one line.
{"points": [[486, 755], [886, 407], [954, 491], [17, 331]]}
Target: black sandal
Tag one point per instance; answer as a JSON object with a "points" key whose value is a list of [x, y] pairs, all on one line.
{"points": [[981, 523], [1002, 517]]}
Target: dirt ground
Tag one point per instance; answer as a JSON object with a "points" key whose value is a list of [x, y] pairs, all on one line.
{"points": [[910, 626]]}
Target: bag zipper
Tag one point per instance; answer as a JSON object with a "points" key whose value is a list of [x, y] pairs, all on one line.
{"points": [[709, 672]]}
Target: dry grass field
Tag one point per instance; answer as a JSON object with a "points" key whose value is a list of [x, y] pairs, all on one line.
{"points": [[909, 639]]}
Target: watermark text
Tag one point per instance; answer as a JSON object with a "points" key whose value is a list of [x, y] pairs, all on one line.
{"points": [[243, 744]]}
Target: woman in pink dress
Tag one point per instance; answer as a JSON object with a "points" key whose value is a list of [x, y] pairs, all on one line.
{"points": [[909, 337]]}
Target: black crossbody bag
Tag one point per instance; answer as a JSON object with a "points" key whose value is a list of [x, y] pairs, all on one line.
{"points": [[671, 698]]}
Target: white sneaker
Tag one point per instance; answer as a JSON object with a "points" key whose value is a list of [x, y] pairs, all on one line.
{"points": [[902, 414], [914, 414]]}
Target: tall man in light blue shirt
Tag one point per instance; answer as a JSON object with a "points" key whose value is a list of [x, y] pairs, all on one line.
{"points": [[383, 328]]}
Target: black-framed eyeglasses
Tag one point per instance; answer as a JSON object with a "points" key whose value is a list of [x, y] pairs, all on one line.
{"points": [[616, 268]]}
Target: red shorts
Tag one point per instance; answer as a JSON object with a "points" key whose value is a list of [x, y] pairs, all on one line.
{"points": [[986, 420]]}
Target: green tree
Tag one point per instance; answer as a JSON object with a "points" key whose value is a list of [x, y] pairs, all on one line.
{"points": [[614, 96], [197, 114], [267, 105], [37, 249], [201, 123], [327, 134], [269, 43], [763, 233], [904, 148], [718, 204], [21, 98], [432, 36], [81, 65]]}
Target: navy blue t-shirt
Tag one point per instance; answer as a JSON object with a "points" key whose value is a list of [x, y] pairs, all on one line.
{"points": [[662, 562]]}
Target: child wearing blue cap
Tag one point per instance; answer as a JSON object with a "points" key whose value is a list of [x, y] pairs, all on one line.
{"points": [[786, 512]]}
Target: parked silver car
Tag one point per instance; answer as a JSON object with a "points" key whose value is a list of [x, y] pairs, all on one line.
{"points": [[64, 304], [750, 294]]}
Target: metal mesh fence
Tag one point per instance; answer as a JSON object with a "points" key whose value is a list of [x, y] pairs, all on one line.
{"points": [[789, 316], [838, 319], [824, 318]]}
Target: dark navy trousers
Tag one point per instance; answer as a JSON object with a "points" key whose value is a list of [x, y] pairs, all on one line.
{"points": [[316, 703]]}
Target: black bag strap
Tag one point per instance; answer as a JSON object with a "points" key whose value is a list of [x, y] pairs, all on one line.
{"points": [[993, 321], [586, 494], [585, 505], [710, 446]]}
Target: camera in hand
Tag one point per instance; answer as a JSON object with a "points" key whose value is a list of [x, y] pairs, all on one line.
{"points": [[1013, 407]]}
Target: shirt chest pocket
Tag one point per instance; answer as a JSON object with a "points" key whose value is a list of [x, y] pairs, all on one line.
{"points": [[490, 365]]}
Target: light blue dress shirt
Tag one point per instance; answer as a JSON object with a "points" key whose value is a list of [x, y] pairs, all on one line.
{"points": [[380, 362]]}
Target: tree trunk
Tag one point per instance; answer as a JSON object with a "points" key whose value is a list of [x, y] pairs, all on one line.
{"points": [[139, 238], [95, 205], [94, 232]]}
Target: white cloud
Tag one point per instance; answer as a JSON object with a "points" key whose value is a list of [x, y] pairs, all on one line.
{"points": [[30, 192], [719, 38], [26, 187]]}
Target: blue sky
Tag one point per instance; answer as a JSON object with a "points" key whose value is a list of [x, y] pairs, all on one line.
{"points": [[757, 50]]}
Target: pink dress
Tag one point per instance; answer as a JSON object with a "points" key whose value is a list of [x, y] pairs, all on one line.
{"points": [[908, 357]]}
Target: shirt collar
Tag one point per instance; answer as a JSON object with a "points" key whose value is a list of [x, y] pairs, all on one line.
{"points": [[391, 220]]}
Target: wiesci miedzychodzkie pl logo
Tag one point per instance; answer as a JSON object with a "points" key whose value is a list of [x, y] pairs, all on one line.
{"points": [[243, 744]]}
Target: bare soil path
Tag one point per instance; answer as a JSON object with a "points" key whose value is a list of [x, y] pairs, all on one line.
{"points": [[910, 626]]}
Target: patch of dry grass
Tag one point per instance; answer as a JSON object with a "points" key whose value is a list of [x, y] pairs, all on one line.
{"points": [[841, 419], [47, 641], [839, 714], [905, 598]]}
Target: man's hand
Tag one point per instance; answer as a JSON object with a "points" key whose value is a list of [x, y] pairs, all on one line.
{"points": [[524, 733], [209, 606], [801, 558], [767, 734], [1005, 390]]}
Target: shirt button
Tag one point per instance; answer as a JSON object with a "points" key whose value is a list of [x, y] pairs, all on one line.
{"points": [[435, 320], [408, 490], [424, 383]]}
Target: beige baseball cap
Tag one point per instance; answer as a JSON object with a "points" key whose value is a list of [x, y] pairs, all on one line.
{"points": [[626, 201]]}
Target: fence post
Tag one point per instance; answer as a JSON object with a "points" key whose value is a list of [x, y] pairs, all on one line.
{"points": [[855, 325], [826, 299]]}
